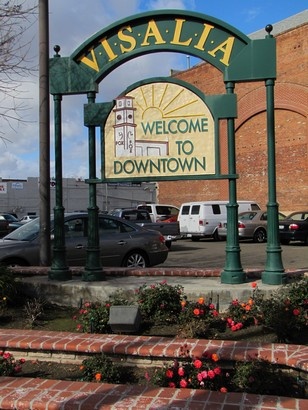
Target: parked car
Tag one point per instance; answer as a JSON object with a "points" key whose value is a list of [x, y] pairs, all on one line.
{"points": [[4, 226], [201, 219], [161, 212], [170, 229], [27, 218], [251, 225], [12, 220], [122, 243], [294, 228]]}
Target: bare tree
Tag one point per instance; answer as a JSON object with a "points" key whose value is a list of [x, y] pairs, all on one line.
{"points": [[16, 17]]}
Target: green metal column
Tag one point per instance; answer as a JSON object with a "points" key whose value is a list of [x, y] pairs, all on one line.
{"points": [[274, 271], [233, 272], [59, 269], [93, 269]]}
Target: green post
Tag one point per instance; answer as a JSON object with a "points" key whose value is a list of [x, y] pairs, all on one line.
{"points": [[274, 271], [93, 269], [233, 272], [59, 269]]}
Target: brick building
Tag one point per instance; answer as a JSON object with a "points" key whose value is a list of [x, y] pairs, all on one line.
{"points": [[291, 102]]}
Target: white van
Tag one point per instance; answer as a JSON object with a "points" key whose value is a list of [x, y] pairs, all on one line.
{"points": [[161, 212], [200, 219]]}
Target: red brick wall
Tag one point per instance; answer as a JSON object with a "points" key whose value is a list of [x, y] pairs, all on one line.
{"points": [[291, 97]]}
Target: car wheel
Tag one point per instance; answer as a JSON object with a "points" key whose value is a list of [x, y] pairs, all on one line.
{"points": [[259, 236], [135, 260], [168, 244], [216, 237], [12, 263], [195, 238]]}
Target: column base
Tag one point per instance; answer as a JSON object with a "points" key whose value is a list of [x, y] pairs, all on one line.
{"points": [[93, 275], [233, 277], [59, 274], [274, 278]]}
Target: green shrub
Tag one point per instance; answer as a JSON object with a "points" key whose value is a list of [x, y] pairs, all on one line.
{"points": [[192, 372], [93, 317], [8, 365], [286, 312], [8, 288], [100, 368], [197, 318], [160, 303], [241, 314], [259, 376]]}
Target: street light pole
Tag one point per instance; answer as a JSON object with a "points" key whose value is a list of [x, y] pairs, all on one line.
{"points": [[44, 121]]}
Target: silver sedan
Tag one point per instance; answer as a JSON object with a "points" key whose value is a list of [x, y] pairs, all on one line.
{"points": [[251, 225], [122, 243]]}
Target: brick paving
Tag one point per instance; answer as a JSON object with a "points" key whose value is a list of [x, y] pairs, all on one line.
{"points": [[28, 394]]}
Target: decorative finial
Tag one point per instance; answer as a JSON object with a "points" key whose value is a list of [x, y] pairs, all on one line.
{"points": [[268, 28], [57, 49]]}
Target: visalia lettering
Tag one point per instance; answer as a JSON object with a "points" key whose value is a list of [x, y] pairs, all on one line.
{"points": [[154, 33]]}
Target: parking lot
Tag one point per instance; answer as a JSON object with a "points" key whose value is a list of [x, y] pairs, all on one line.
{"points": [[209, 254]]}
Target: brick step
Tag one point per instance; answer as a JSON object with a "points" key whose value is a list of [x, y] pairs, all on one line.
{"points": [[26, 393]]}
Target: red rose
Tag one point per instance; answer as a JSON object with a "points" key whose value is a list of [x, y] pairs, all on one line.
{"points": [[197, 364]]}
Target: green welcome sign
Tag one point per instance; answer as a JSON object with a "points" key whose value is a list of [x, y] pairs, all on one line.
{"points": [[163, 128], [210, 39]]}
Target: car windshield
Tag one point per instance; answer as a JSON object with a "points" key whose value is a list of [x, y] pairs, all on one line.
{"points": [[247, 216], [26, 232]]}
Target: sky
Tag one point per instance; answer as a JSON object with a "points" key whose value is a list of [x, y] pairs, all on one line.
{"points": [[71, 23]]}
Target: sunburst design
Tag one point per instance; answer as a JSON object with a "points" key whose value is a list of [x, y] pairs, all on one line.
{"points": [[168, 100]]}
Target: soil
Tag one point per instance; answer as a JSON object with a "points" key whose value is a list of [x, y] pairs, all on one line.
{"points": [[57, 318]]}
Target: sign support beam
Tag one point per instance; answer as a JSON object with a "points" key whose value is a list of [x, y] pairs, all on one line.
{"points": [[59, 268], [233, 272]]}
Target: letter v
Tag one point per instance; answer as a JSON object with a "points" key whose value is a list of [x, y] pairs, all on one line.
{"points": [[90, 63]]}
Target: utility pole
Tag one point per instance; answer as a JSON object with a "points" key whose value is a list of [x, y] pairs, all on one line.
{"points": [[44, 131]]}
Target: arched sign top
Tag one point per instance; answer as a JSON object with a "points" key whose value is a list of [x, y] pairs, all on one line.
{"points": [[180, 31], [223, 46]]}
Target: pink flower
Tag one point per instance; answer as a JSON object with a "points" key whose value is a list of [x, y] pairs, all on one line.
{"points": [[223, 390], [254, 284], [197, 364], [183, 383], [169, 374], [204, 374], [217, 370], [181, 371], [211, 374], [17, 369], [199, 377], [296, 312], [6, 355], [171, 384]]}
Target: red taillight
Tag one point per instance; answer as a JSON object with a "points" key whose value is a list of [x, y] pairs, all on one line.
{"points": [[220, 225], [162, 239], [293, 227], [241, 225]]}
